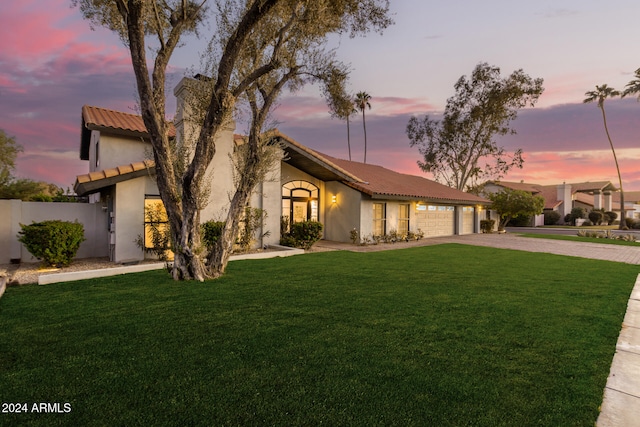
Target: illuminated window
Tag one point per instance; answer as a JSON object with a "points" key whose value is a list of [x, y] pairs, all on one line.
{"points": [[403, 219], [300, 201], [156, 223], [379, 219]]}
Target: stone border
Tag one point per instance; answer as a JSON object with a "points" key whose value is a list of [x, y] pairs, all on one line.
{"points": [[46, 279], [621, 399]]}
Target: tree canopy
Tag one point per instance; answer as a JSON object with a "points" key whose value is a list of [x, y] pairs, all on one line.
{"points": [[510, 204], [9, 150], [257, 48], [482, 108]]}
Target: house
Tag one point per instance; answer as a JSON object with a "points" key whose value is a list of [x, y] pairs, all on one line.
{"points": [[564, 197], [304, 185]]}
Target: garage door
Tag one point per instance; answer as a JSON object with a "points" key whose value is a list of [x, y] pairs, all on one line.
{"points": [[436, 220], [467, 220]]}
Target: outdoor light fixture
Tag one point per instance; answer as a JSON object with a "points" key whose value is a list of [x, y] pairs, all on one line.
{"points": [[334, 199]]}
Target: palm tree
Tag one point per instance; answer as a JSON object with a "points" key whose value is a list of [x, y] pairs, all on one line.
{"points": [[633, 87], [600, 94], [362, 101]]}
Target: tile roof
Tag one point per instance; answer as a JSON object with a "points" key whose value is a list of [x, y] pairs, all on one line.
{"points": [[94, 181], [380, 182], [103, 118], [532, 188]]}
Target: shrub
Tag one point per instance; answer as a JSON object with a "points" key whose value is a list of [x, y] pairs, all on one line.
{"points": [[596, 217], [587, 223], [576, 213], [353, 235], [211, 232], [252, 220], [303, 234], [610, 217], [630, 222], [54, 242], [486, 225], [551, 217]]}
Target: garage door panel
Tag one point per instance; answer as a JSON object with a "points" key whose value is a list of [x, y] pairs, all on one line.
{"points": [[436, 223]]}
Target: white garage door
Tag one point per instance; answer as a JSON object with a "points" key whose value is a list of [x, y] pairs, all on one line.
{"points": [[467, 220], [436, 220]]}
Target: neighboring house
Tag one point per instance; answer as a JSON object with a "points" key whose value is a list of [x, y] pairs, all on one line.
{"points": [[305, 185], [631, 202], [564, 197]]}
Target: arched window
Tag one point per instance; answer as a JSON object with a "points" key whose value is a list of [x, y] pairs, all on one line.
{"points": [[300, 201]]}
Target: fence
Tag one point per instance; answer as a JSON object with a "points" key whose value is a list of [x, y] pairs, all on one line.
{"points": [[15, 212]]}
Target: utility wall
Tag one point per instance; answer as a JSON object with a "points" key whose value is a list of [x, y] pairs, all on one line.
{"points": [[15, 212]]}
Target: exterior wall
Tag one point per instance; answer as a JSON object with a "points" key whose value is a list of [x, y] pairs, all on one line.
{"points": [[344, 215], [117, 151], [267, 197], [128, 211], [14, 212], [564, 195]]}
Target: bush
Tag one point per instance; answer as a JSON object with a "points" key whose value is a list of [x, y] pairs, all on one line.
{"points": [[303, 234], [551, 217], [587, 223], [486, 225], [596, 217], [610, 217], [54, 242], [630, 222], [211, 232]]}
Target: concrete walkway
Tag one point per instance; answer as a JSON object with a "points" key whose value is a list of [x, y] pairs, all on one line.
{"points": [[621, 400]]}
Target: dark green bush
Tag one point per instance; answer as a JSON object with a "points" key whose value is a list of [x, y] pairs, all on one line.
{"points": [[596, 217], [610, 217], [211, 232], [630, 222], [303, 234], [486, 225], [54, 242], [551, 217]]}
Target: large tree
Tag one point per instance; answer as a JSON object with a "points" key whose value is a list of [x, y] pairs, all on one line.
{"points": [[482, 108], [599, 95], [362, 102], [9, 150], [252, 42], [510, 203], [343, 108]]}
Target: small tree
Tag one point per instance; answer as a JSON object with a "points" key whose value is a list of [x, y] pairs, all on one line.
{"points": [[510, 203], [482, 108], [551, 217], [596, 216]]}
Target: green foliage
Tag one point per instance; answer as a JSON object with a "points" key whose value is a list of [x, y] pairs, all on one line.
{"points": [[486, 225], [510, 204], [551, 217], [54, 242], [606, 234], [9, 150], [482, 108], [211, 232], [303, 234], [596, 217], [252, 220], [610, 216], [354, 236], [576, 213]]}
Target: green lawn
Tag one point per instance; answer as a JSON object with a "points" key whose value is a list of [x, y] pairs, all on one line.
{"points": [[445, 335], [580, 239]]}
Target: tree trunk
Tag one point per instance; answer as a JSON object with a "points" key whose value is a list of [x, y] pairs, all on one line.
{"points": [[364, 125], [348, 139]]}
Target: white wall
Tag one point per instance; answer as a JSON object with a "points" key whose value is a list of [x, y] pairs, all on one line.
{"points": [[15, 212], [344, 215]]}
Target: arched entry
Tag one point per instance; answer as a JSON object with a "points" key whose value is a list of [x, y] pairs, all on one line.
{"points": [[300, 201]]}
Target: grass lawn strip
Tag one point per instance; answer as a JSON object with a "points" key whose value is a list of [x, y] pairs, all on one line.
{"points": [[579, 239], [437, 335]]}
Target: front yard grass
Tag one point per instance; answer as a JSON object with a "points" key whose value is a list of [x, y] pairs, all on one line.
{"points": [[580, 239], [444, 335]]}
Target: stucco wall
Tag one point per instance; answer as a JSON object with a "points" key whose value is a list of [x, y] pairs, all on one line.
{"points": [[119, 150], [129, 217], [15, 212], [344, 215]]}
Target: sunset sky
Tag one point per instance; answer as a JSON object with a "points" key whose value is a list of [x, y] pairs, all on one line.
{"points": [[52, 63]]}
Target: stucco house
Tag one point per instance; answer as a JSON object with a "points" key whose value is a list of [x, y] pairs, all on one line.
{"points": [[564, 197], [305, 185]]}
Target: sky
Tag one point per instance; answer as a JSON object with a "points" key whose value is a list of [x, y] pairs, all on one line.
{"points": [[52, 63]]}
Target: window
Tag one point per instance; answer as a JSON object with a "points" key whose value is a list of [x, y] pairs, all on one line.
{"points": [[403, 219], [300, 201], [156, 224], [379, 219]]}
